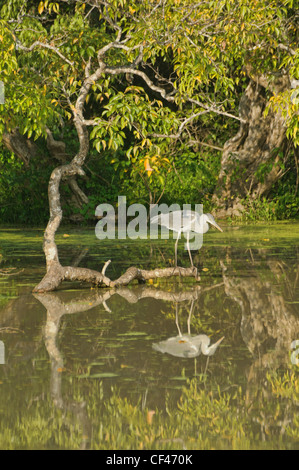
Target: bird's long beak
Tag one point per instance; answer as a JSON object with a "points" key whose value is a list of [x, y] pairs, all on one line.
{"points": [[216, 225], [218, 342], [215, 346]]}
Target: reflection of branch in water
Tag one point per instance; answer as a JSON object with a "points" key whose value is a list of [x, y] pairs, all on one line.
{"points": [[133, 296], [10, 329], [56, 308], [268, 322], [267, 326], [10, 272]]}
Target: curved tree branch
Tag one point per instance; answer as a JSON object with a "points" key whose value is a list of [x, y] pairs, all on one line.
{"points": [[57, 274], [46, 46]]}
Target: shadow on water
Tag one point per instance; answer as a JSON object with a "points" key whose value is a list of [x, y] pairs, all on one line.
{"points": [[147, 367]]}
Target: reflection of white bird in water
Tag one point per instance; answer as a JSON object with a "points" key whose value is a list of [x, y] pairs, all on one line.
{"points": [[187, 346], [185, 221]]}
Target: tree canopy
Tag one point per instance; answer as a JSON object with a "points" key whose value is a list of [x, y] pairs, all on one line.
{"points": [[149, 82]]}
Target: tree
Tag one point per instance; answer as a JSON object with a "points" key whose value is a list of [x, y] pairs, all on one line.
{"points": [[142, 76]]}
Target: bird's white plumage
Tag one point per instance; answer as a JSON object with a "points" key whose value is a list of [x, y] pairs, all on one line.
{"points": [[185, 221]]}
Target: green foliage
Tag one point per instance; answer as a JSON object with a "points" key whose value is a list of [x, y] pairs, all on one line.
{"points": [[283, 200], [23, 191], [280, 207], [288, 104], [184, 178], [196, 54]]}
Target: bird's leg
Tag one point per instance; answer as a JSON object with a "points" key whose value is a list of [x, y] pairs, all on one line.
{"points": [[176, 250], [207, 363], [176, 253], [188, 247], [189, 317], [177, 319], [190, 256]]}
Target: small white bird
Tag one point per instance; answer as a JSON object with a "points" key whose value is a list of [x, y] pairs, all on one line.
{"points": [[185, 221]]}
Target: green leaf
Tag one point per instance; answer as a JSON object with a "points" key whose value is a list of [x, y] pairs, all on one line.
{"points": [[91, 51]]}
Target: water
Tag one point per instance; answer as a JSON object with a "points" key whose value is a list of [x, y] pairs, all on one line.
{"points": [[79, 369]]}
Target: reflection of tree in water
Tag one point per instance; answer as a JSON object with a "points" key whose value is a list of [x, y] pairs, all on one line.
{"points": [[55, 311], [268, 326], [269, 323]]}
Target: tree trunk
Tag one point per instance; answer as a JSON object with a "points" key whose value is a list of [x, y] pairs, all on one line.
{"points": [[57, 150], [18, 144], [56, 273], [250, 159]]}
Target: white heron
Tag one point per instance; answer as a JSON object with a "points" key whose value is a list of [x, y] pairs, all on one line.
{"points": [[185, 221]]}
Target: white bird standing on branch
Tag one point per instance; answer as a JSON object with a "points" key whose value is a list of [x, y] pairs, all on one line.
{"points": [[185, 221]]}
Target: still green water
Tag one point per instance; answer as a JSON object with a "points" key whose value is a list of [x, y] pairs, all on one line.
{"points": [[79, 369]]}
